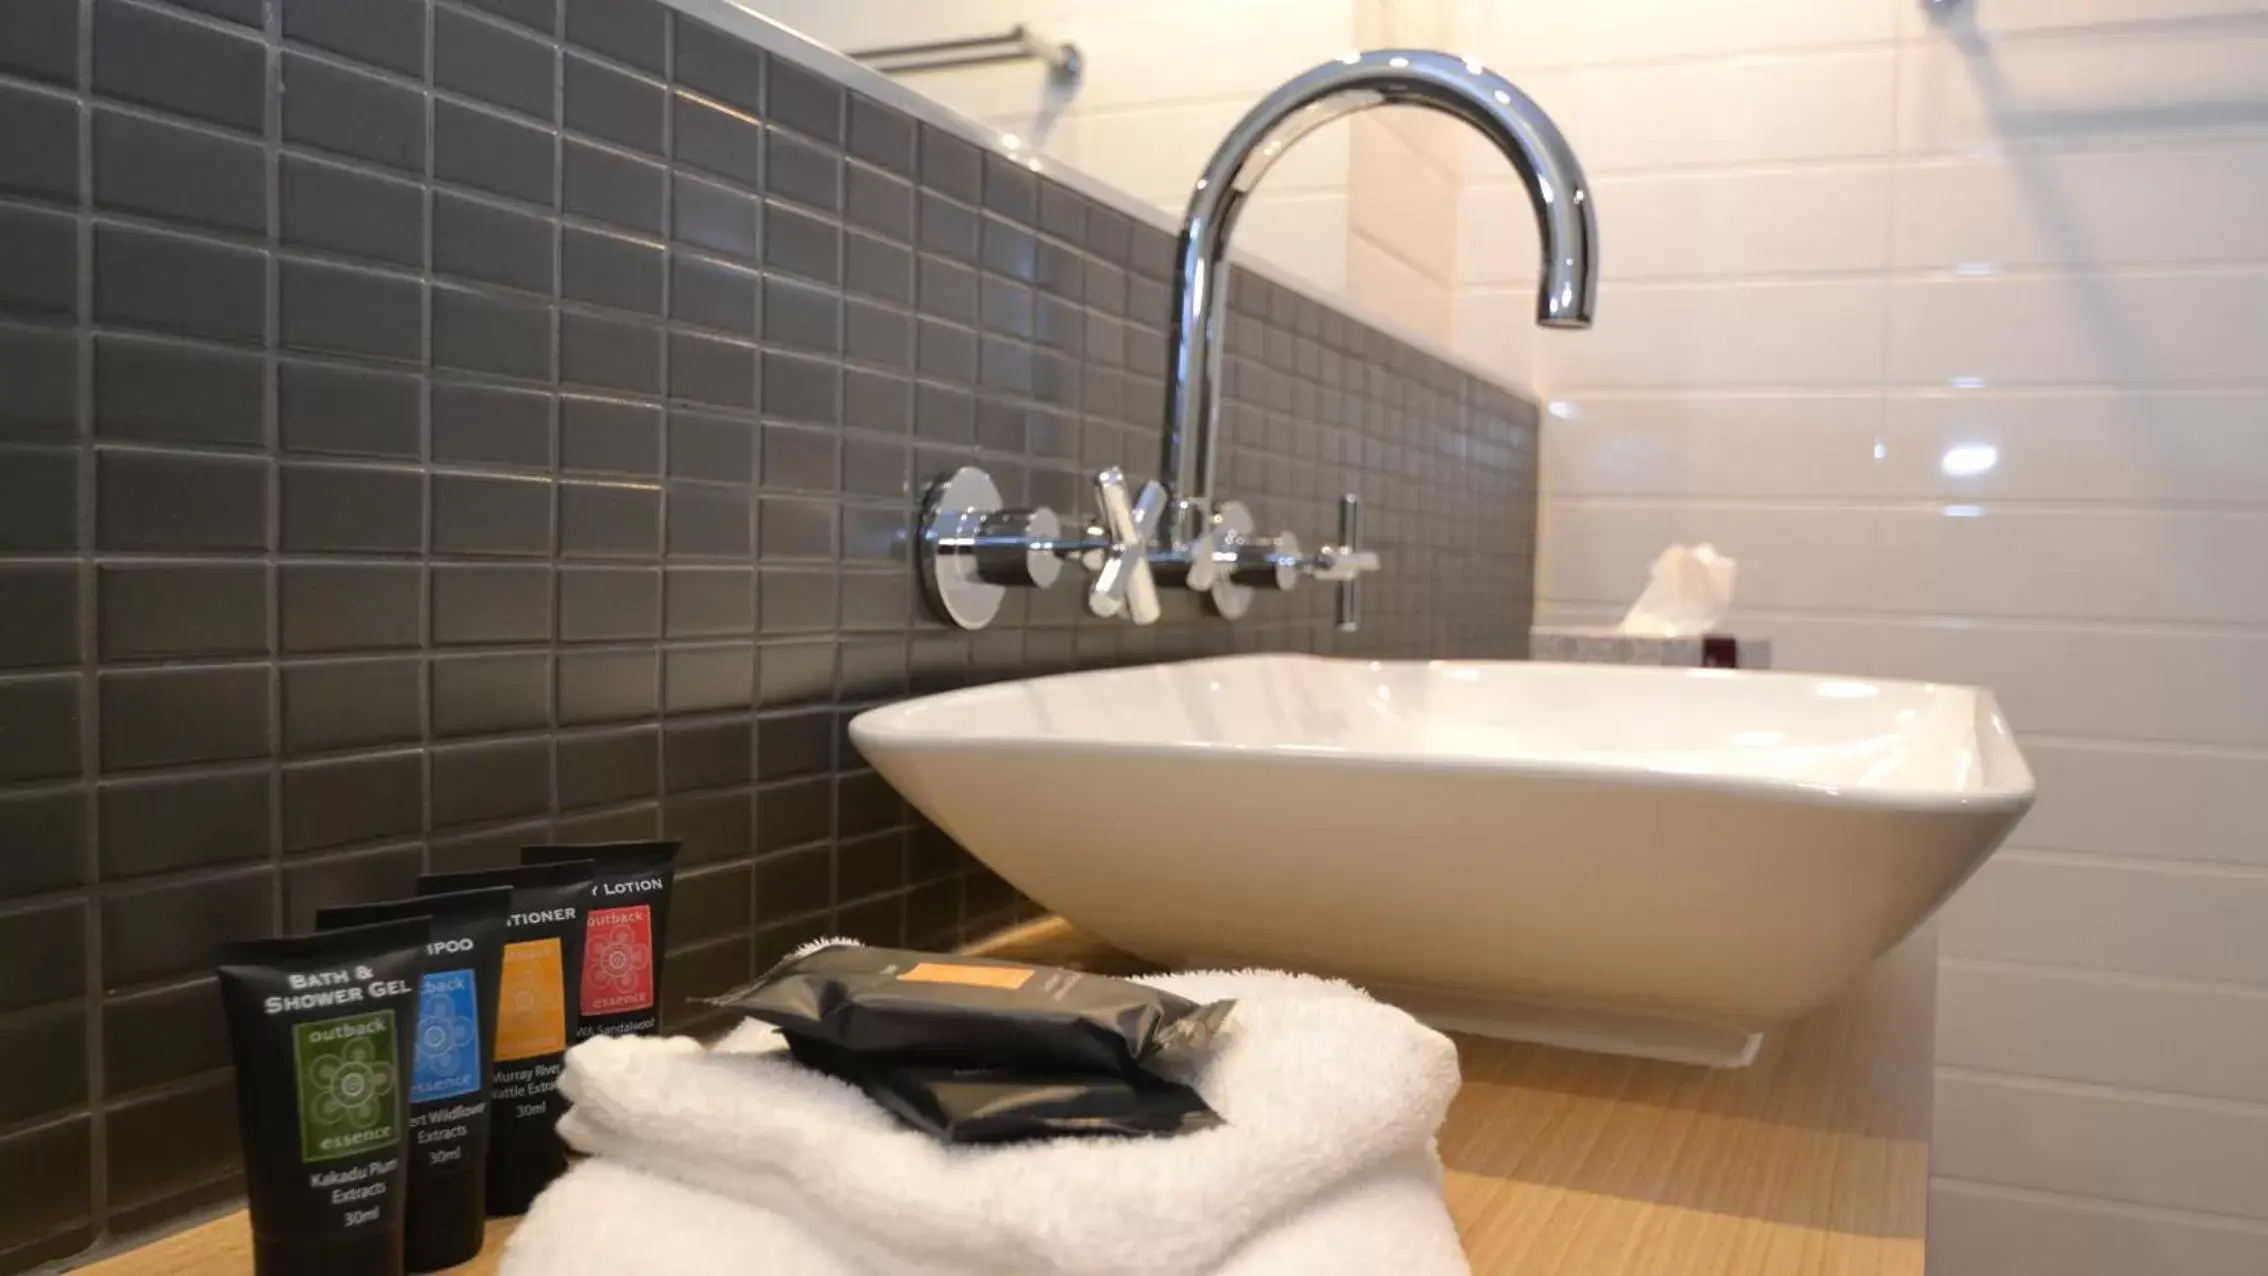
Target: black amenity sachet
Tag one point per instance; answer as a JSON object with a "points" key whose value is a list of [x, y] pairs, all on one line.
{"points": [[976, 1011], [998, 1105]]}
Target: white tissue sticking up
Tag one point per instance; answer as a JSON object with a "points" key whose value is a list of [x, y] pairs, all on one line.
{"points": [[1691, 589]]}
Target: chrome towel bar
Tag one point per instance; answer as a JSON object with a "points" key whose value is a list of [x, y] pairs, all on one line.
{"points": [[1017, 44]]}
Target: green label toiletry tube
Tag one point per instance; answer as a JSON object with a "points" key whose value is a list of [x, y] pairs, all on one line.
{"points": [[321, 1026], [453, 1039], [623, 937], [534, 1021]]}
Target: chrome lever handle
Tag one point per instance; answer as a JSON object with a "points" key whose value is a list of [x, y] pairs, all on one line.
{"points": [[1347, 562], [1341, 563], [1122, 584]]}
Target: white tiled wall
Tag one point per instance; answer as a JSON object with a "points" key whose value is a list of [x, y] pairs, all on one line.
{"points": [[1365, 208], [1955, 332], [1853, 254]]}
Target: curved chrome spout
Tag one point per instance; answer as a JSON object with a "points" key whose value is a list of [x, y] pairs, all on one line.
{"points": [[972, 548], [1358, 81]]}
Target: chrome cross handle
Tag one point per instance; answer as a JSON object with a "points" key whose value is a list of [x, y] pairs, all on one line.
{"points": [[1122, 584], [971, 548]]}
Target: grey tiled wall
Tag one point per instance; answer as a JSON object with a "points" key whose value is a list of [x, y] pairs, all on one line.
{"points": [[429, 427]]}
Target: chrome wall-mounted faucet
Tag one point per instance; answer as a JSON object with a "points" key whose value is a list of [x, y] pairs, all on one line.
{"points": [[971, 549]]}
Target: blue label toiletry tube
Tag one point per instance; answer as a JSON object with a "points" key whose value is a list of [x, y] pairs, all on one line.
{"points": [[623, 936], [454, 1038], [534, 1021], [321, 1028]]}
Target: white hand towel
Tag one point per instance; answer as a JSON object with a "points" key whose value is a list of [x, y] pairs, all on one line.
{"points": [[1320, 1088], [607, 1219]]}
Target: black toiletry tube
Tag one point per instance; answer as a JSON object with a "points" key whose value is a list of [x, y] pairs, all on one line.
{"points": [[446, 1221], [321, 1025], [535, 1022], [623, 936]]}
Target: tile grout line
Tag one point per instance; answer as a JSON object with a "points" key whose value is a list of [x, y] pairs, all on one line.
{"points": [[271, 430], [557, 244], [89, 629]]}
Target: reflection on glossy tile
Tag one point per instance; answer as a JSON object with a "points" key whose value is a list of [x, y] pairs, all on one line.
{"points": [[2204, 203], [611, 186], [1716, 445], [1719, 111], [2129, 566], [162, 60], [1695, 225], [492, 152], [2150, 329], [609, 104], [351, 113], [1698, 336], [2133, 86], [491, 61], [1814, 556], [1588, 34]]}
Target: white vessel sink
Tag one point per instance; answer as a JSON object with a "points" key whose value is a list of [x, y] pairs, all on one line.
{"points": [[1656, 861]]}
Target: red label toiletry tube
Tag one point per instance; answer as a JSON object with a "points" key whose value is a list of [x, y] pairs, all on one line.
{"points": [[620, 992]]}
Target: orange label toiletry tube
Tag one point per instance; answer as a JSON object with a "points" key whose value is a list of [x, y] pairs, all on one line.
{"points": [[531, 1002]]}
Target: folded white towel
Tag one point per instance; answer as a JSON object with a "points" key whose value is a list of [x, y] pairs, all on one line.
{"points": [[1330, 1102], [607, 1219]]}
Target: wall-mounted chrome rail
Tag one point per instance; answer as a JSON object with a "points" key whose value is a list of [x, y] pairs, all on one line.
{"points": [[1064, 62]]}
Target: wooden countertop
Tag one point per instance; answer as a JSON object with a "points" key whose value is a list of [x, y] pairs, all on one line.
{"points": [[223, 1247], [1812, 1162]]}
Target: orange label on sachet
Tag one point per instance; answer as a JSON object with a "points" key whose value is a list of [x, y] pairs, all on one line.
{"points": [[938, 972], [531, 1001]]}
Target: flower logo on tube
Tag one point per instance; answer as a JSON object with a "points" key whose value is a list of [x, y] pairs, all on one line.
{"points": [[347, 1087], [448, 1037], [618, 960]]}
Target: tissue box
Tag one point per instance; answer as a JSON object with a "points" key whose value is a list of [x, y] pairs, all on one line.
{"points": [[1569, 644]]}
